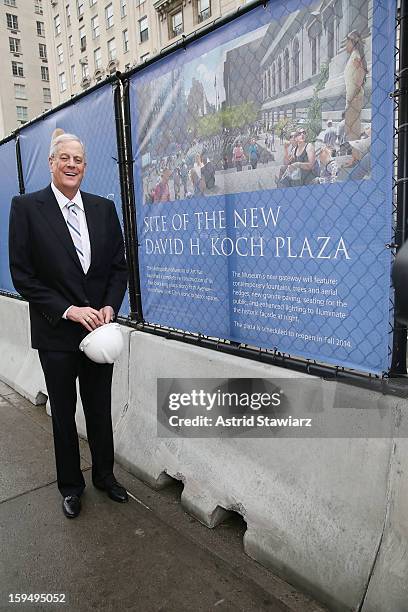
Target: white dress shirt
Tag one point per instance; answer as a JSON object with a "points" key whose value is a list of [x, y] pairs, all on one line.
{"points": [[83, 227], [63, 201]]}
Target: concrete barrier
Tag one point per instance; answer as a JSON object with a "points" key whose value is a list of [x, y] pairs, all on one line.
{"points": [[329, 515], [314, 508], [388, 587], [19, 364]]}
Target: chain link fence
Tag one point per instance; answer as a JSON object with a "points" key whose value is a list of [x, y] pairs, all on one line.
{"points": [[264, 205], [255, 166]]}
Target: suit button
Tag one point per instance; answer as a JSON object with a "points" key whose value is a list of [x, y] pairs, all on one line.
{"points": [[86, 303]]}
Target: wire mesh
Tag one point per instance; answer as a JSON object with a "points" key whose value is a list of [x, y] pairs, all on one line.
{"points": [[293, 110]]}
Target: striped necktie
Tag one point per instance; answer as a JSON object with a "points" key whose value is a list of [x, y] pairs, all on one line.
{"points": [[74, 230]]}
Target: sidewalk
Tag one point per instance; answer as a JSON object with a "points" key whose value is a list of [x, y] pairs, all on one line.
{"points": [[147, 555]]}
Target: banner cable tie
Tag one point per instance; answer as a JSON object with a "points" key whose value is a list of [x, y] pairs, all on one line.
{"points": [[398, 92]]}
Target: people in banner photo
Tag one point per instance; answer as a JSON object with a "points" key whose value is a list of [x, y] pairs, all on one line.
{"points": [[238, 156], [288, 148], [225, 133], [253, 153], [67, 260], [326, 166], [330, 134], [301, 168], [161, 192], [359, 166], [355, 75], [341, 130]]}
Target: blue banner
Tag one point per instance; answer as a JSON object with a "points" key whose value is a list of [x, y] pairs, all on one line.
{"points": [[263, 172], [92, 119], [8, 188]]}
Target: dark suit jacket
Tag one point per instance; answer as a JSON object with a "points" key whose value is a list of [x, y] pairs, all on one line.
{"points": [[46, 270]]}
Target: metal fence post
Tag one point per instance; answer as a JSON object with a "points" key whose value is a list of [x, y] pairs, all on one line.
{"points": [[129, 221], [19, 166], [399, 353]]}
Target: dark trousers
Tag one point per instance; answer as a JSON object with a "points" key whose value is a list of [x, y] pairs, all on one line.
{"points": [[61, 369]]}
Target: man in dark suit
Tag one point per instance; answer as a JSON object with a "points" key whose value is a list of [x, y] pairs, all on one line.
{"points": [[67, 260]]}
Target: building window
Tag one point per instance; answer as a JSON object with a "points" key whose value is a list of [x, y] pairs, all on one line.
{"points": [[62, 82], [279, 75], [286, 68], [15, 45], [47, 95], [10, 2], [38, 7], [203, 10], [42, 50], [125, 38], [68, 14], [95, 26], [123, 9], [145, 57], [143, 29], [98, 58], [314, 42], [82, 38], [45, 73], [40, 28], [85, 71], [17, 69], [20, 91], [176, 23], [92, 2], [139, 2], [80, 8], [12, 21], [330, 40], [60, 54], [296, 62], [57, 25], [109, 16], [70, 45], [22, 113], [73, 74], [111, 49]]}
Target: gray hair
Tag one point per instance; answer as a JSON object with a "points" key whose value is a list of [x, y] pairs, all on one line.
{"points": [[56, 142]]}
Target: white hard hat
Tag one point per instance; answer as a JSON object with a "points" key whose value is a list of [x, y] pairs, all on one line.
{"points": [[104, 344]]}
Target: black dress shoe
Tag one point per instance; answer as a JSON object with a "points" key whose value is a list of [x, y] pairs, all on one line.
{"points": [[71, 506], [115, 491]]}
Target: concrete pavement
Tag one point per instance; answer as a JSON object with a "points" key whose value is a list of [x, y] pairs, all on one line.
{"points": [[148, 555]]}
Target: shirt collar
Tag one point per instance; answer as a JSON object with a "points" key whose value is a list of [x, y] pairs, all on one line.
{"points": [[63, 200]]}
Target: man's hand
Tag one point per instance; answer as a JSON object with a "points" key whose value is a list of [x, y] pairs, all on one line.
{"points": [[107, 314], [86, 316]]}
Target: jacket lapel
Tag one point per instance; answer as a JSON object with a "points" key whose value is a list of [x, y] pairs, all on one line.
{"points": [[53, 216], [94, 229]]}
